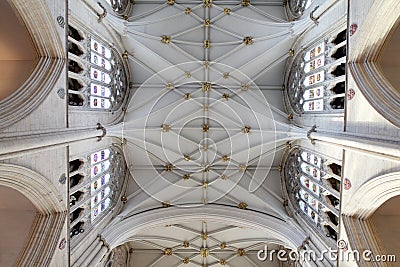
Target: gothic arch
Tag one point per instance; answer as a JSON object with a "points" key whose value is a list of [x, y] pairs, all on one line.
{"points": [[357, 217], [287, 231], [315, 75], [51, 212], [51, 60], [120, 7], [296, 8], [111, 182], [377, 191], [313, 180], [364, 62], [86, 92]]}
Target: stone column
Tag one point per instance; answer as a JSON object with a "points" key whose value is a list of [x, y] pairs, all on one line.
{"points": [[93, 5], [12, 145], [99, 256], [97, 245], [355, 141], [96, 254], [100, 11], [304, 261], [85, 255]]}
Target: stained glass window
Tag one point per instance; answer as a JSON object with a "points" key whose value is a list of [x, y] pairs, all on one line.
{"points": [[310, 189], [100, 49], [100, 182], [311, 170], [316, 80], [101, 95], [120, 7], [311, 94], [101, 103], [305, 208], [98, 79], [297, 7], [99, 90], [315, 52], [100, 189], [103, 171]]}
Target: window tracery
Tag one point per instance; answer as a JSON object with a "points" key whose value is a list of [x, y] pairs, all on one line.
{"points": [[97, 77], [297, 7], [120, 7], [314, 190], [316, 82], [95, 183]]}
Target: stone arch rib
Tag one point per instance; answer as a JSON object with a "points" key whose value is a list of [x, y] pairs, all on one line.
{"points": [[287, 231], [51, 61], [50, 218], [356, 217], [364, 61]]}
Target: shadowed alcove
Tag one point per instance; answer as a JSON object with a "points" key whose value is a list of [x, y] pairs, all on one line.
{"points": [[17, 214], [17, 55], [390, 60], [386, 219]]}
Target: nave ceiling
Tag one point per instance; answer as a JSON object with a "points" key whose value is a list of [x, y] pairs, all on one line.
{"points": [[199, 243], [206, 124]]}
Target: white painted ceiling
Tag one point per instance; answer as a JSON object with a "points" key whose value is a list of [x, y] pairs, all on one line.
{"points": [[224, 243], [250, 76]]}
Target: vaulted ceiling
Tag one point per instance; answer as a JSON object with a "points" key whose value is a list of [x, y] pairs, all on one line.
{"points": [[200, 243], [206, 124]]}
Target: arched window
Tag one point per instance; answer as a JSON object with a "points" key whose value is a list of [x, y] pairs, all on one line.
{"points": [[313, 188], [95, 184], [297, 7], [121, 7], [100, 182], [316, 82], [97, 79]]}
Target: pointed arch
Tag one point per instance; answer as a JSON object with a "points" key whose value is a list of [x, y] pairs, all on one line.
{"points": [[51, 212], [311, 184], [287, 231], [315, 79], [103, 172], [357, 217], [364, 61], [51, 60], [377, 191], [98, 76]]}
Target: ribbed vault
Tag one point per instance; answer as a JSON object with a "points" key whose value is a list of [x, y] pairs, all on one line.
{"points": [[206, 123], [198, 243]]}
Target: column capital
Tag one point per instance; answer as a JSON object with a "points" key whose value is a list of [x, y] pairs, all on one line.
{"points": [[312, 130], [314, 19], [101, 15], [101, 127], [104, 242]]}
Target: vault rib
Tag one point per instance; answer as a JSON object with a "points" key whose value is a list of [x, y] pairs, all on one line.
{"points": [[150, 12], [268, 16], [161, 20], [222, 14], [183, 52]]}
